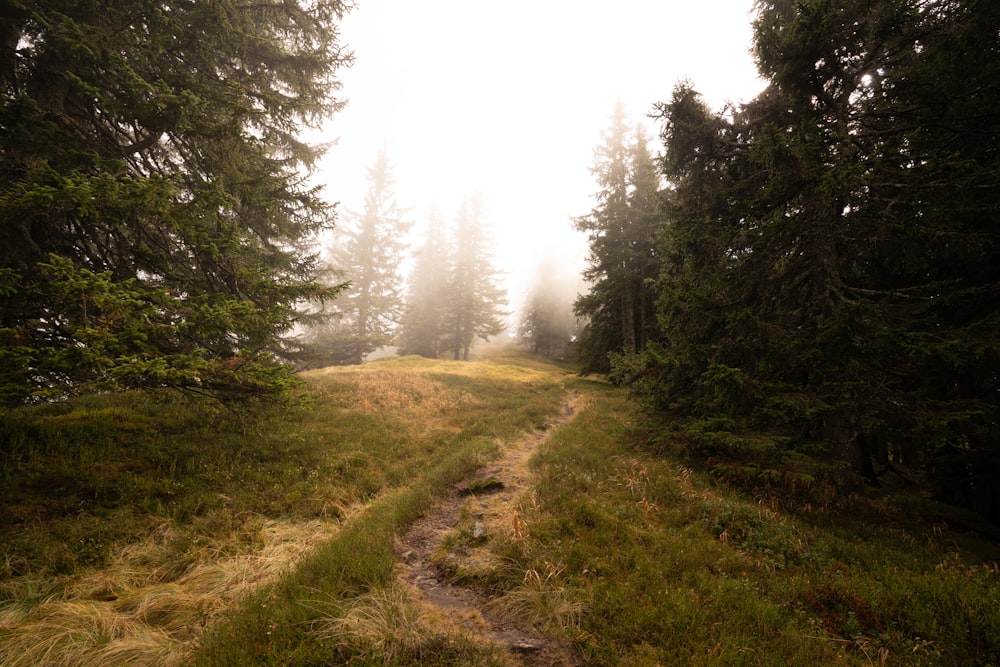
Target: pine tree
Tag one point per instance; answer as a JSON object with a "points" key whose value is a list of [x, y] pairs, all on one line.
{"points": [[154, 217], [421, 331], [698, 241], [474, 300], [368, 252], [621, 231]]}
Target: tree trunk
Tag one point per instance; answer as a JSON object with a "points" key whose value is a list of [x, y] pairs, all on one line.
{"points": [[628, 321], [848, 445]]}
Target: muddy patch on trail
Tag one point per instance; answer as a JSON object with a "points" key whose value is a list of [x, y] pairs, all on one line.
{"points": [[491, 498]]}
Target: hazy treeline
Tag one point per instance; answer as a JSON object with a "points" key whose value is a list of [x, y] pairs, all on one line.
{"points": [[819, 290], [453, 295], [365, 252], [548, 325]]}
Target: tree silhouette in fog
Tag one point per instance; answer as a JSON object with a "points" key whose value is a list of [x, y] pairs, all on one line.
{"points": [[367, 253], [622, 231], [455, 297]]}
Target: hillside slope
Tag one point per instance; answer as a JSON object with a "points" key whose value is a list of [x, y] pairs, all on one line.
{"points": [[157, 529]]}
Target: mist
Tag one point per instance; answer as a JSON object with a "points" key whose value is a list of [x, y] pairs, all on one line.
{"points": [[510, 100]]}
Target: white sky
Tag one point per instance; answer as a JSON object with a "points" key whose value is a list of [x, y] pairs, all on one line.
{"points": [[510, 98]]}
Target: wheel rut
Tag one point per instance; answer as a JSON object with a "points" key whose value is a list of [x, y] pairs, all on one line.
{"points": [[499, 486]]}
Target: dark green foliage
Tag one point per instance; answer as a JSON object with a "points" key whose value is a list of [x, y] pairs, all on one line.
{"points": [[152, 213], [622, 232], [833, 268]]}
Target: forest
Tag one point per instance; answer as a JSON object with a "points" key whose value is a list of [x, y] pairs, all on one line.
{"points": [[813, 294], [805, 284], [798, 295]]}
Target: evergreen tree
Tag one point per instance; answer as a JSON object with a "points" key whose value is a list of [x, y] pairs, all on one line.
{"points": [[474, 300], [548, 325], [421, 331], [697, 246], [833, 276], [621, 231], [153, 217], [368, 252]]}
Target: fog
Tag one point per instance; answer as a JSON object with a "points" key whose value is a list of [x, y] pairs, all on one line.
{"points": [[509, 100]]}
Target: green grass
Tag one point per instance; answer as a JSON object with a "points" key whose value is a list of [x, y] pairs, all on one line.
{"points": [[669, 568], [113, 502], [155, 529]]}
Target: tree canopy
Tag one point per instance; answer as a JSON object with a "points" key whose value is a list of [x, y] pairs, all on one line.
{"points": [[831, 283], [621, 231], [154, 212]]}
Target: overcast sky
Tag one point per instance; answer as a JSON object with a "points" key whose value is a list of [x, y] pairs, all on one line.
{"points": [[510, 98]]}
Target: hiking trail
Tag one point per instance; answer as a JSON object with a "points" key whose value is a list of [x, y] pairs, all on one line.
{"points": [[494, 505]]}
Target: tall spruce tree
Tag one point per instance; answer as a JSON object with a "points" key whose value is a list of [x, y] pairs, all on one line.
{"points": [[367, 252], [422, 327], [697, 246], [474, 300], [153, 213], [621, 232]]}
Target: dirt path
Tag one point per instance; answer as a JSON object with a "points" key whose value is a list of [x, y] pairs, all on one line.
{"points": [[494, 509]]}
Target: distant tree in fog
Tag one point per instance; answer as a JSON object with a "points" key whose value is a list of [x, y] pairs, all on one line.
{"points": [[367, 253], [474, 302], [422, 325], [547, 325]]}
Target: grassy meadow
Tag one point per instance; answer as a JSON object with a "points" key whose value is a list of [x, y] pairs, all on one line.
{"points": [[161, 529], [640, 560]]}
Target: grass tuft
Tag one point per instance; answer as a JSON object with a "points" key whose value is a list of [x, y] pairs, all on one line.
{"points": [[541, 601], [384, 620], [71, 633]]}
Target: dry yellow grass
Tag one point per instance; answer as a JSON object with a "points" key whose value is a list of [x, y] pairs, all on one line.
{"points": [[153, 603], [407, 394], [420, 404], [541, 602], [145, 609], [386, 620]]}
